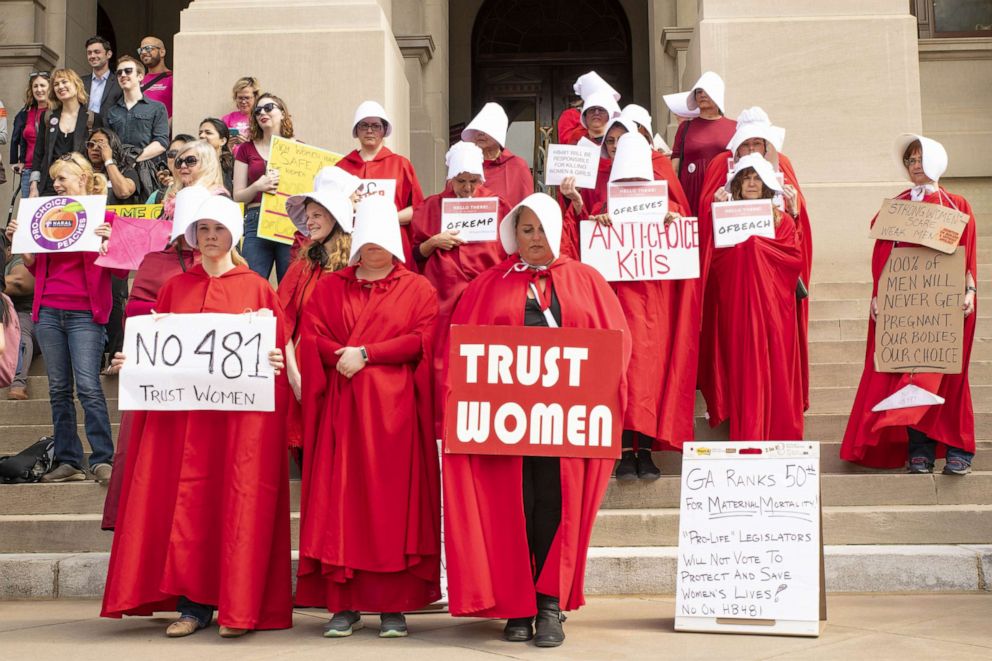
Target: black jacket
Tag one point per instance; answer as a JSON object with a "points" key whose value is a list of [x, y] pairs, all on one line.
{"points": [[111, 91], [43, 149]]}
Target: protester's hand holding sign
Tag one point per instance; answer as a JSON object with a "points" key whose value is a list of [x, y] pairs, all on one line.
{"points": [[571, 192]]}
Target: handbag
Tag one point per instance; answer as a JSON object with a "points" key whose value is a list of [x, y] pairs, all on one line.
{"points": [[30, 464]]}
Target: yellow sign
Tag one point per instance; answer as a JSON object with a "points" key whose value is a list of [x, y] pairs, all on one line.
{"points": [[297, 165], [150, 211]]}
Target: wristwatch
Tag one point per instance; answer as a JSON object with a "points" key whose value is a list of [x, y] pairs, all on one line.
{"points": [[108, 163], [365, 354], [970, 288]]}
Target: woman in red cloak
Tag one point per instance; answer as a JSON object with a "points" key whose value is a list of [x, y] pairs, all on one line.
{"points": [[204, 511], [517, 529], [370, 504], [506, 174], [882, 439], [570, 128]]}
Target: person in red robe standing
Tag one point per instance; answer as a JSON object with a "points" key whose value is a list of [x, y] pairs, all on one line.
{"points": [[701, 137], [517, 529], [569, 125], [923, 433], [373, 160], [203, 521], [755, 377], [370, 504], [506, 174]]}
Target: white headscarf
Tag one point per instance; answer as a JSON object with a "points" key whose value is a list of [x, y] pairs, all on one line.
{"points": [[376, 221], [639, 115], [222, 209], [589, 83], [684, 103], [370, 109], [492, 121], [332, 189], [754, 123], [761, 166], [188, 201], [547, 211], [600, 100], [464, 157], [633, 159], [933, 154]]}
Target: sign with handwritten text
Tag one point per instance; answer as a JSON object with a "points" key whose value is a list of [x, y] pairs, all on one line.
{"points": [[737, 221], [475, 219], [623, 252], [638, 201], [579, 161], [931, 225]]}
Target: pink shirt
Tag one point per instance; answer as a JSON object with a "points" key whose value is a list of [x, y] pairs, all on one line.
{"points": [[31, 133], [65, 284], [161, 91], [237, 120]]}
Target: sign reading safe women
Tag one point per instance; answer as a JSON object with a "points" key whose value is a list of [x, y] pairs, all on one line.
{"points": [[193, 362], [547, 392], [59, 224]]}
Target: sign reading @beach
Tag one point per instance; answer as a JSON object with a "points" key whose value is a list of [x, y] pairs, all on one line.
{"points": [[59, 224], [545, 392]]}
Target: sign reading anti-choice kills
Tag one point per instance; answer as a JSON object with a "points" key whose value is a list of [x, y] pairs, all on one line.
{"points": [[474, 218], [930, 225], [736, 222], [192, 362], [638, 201], [920, 323], [642, 251], [548, 392], [581, 162]]}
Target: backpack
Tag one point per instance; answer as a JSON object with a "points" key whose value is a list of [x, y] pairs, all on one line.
{"points": [[29, 464], [12, 340]]}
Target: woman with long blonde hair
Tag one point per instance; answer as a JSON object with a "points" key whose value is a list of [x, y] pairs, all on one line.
{"points": [[63, 130]]}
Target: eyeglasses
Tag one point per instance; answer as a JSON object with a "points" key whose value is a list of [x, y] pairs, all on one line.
{"points": [[93, 144], [147, 49], [171, 153], [126, 71], [910, 162], [186, 162], [365, 126], [266, 108], [44, 74]]}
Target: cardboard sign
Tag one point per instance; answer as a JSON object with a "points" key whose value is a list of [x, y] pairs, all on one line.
{"points": [[736, 222], [370, 188], [638, 201], [581, 162], [930, 225], [545, 392], [749, 538], [920, 323], [297, 165], [474, 218], [626, 252], [62, 223], [194, 362], [149, 211], [133, 238]]}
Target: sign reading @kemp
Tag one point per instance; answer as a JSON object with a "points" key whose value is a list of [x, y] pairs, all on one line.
{"points": [[545, 392], [196, 362], [61, 223], [736, 222], [474, 218]]}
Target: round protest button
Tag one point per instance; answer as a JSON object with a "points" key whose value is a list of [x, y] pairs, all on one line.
{"points": [[692, 168]]}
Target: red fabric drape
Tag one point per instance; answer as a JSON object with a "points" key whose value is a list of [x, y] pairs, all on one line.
{"points": [[508, 176]]}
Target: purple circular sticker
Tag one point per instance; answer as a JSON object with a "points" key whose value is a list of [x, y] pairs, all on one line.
{"points": [[58, 223]]}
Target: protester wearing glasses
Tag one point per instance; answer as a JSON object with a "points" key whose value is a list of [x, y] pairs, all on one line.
{"points": [[62, 130], [246, 91], [165, 173], [100, 84], [157, 85], [215, 132], [24, 135], [270, 117], [106, 154], [139, 121]]}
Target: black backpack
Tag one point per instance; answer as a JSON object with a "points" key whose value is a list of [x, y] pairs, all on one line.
{"points": [[29, 464]]}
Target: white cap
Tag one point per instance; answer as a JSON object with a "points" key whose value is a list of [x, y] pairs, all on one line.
{"points": [[934, 155], [761, 166], [633, 159], [600, 100], [370, 109], [332, 189], [188, 200], [625, 122], [639, 115], [376, 221], [754, 123], [492, 121], [589, 83], [222, 209], [684, 103], [464, 157], [548, 212]]}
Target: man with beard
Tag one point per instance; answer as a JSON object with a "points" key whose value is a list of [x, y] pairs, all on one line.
{"points": [[101, 84], [157, 85]]}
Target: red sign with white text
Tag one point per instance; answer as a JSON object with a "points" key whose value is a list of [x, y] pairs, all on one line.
{"points": [[526, 391]]}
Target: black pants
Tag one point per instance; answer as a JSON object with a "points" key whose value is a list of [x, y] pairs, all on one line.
{"points": [[201, 612], [542, 506], [115, 324], [644, 442]]}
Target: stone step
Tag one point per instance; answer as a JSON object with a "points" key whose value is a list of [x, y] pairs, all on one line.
{"points": [[840, 399], [14, 438], [857, 308], [854, 290], [38, 386], [828, 330], [39, 411], [840, 374], [845, 351]]}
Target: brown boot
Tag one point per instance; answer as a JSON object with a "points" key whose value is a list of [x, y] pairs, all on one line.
{"points": [[18, 393]]}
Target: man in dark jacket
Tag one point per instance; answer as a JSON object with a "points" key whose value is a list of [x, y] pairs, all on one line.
{"points": [[101, 83]]}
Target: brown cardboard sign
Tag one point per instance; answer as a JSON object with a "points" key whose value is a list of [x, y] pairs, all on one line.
{"points": [[930, 225], [920, 324]]}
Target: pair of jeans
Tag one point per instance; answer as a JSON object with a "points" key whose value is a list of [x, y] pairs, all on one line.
{"points": [[542, 506], [72, 344], [920, 445], [25, 183], [27, 350], [261, 254], [199, 612]]}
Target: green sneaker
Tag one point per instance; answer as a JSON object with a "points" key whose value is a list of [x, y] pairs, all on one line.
{"points": [[344, 623], [392, 625]]}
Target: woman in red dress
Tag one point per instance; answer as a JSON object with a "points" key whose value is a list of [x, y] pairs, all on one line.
{"points": [[569, 127], [506, 174]]}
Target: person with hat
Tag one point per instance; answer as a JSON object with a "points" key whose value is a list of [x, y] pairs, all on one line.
{"points": [[373, 160], [506, 174], [203, 522], [660, 161], [370, 500], [517, 529], [918, 435], [703, 135], [570, 127]]}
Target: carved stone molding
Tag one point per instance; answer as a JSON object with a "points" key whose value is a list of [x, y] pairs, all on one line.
{"points": [[419, 46], [956, 48]]}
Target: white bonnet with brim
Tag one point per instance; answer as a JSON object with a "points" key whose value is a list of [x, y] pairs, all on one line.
{"points": [[370, 109], [376, 221], [639, 115], [600, 100], [632, 159], [492, 121], [589, 83], [934, 155], [684, 103], [625, 122], [464, 157], [187, 201], [547, 211], [761, 166], [221, 209], [332, 189], [754, 123]]}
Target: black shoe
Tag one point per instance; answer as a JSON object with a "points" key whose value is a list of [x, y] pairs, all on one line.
{"points": [[627, 466], [519, 629], [920, 465], [646, 470], [549, 622]]}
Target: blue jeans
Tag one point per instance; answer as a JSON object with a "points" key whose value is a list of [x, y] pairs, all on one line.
{"points": [[72, 345], [262, 253], [922, 446], [25, 183], [202, 613]]}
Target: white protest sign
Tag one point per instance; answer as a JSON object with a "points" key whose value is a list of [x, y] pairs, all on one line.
{"points": [[370, 188], [736, 222], [749, 538], [63, 223], [474, 217], [581, 162], [193, 362], [908, 397], [626, 252], [638, 201]]}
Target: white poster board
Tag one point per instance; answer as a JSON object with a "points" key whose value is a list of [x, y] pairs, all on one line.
{"points": [[626, 252], [62, 223], [749, 538], [475, 218], [195, 362], [370, 188], [736, 222], [579, 161], [638, 201]]}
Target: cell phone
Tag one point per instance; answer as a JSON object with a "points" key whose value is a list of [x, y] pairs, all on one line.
{"points": [[233, 131], [162, 166]]}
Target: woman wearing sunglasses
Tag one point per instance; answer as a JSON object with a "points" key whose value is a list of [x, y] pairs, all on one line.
{"points": [[107, 156], [24, 135], [166, 172], [63, 130]]}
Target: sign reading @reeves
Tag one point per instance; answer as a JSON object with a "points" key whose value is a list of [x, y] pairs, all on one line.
{"points": [[59, 224], [642, 251], [930, 225], [920, 323], [581, 162], [638, 201], [546, 392], [194, 362], [474, 218], [736, 222], [297, 165]]}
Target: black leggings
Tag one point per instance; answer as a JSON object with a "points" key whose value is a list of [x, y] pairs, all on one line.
{"points": [[542, 506], [644, 442]]}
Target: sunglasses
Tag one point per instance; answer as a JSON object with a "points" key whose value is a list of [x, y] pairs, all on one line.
{"points": [[171, 153], [147, 49], [93, 144], [126, 71], [44, 74], [186, 162], [266, 108]]}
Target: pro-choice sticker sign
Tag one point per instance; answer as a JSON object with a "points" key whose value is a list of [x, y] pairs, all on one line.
{"points": [[474, 218], [59, 224], [548, 392]]}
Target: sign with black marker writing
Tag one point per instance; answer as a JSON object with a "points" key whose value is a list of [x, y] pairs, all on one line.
{"points": [[473, 218]]}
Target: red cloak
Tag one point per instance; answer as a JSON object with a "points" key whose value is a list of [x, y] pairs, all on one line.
{"points": [[570, 129], [697, 141], [204, 509], [370, 505], [488, 557], [508, 176], [879, 440]]}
